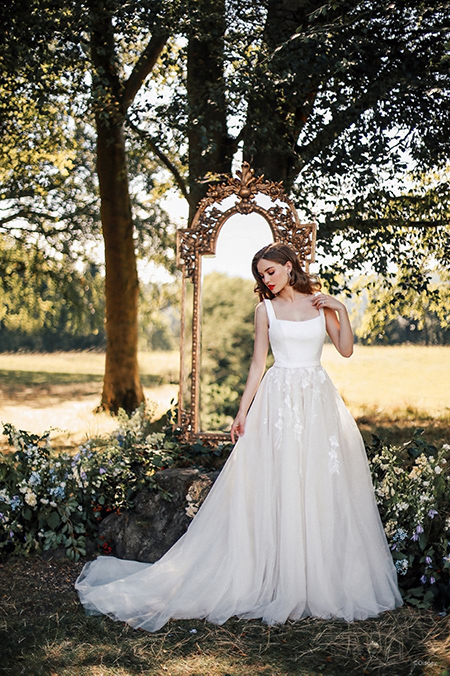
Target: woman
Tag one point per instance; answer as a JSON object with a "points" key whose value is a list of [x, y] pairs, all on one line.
{"points": [[290, 528]]}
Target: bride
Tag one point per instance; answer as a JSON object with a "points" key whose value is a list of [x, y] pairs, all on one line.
{"points": [[290, 528]]}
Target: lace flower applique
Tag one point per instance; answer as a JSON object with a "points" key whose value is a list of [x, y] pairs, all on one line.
{"points": [[333, 462]]}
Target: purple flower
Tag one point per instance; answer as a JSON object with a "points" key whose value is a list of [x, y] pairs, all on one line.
{"points": [[11, 534], [419, 529], [83, 475], [101, 470], [415, 537], [423, 579], [432, 513], [432, 580], [428, 560]]}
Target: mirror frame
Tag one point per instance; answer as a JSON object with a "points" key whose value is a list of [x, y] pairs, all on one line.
{"points": [[201, 238]]}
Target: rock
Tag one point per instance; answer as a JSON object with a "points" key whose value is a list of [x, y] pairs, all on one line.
{"points": [[155, 524]]}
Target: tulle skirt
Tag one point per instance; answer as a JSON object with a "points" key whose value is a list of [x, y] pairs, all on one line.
{"points": [[289, 529]]}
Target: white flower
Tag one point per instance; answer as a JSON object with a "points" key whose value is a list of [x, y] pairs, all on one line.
{"points": [[438, 469], [52, 504], [44, 501], [30, 499]]}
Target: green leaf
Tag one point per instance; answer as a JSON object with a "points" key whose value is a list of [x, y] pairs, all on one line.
{"points": [[423, 541], [53, 520]]}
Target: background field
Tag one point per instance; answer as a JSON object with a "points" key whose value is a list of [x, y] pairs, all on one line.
{"points": [[389, 390]]}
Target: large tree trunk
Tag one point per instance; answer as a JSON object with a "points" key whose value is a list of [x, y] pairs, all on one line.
{"points": [[121, 386], [111, 97], [277, 111], [210, 147]]}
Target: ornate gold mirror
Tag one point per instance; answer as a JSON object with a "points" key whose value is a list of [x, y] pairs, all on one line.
{"points": [[236, 218]]}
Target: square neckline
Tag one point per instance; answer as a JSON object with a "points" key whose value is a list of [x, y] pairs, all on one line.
{"points": [[293, 321]]}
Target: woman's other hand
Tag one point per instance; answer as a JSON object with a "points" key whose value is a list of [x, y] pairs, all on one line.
{"points": [[238, 425], [324, 300]]}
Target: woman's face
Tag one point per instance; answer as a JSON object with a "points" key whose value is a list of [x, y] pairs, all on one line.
{"points": [[273, 275]]}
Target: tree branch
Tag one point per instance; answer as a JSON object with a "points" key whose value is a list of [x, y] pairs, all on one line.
{"points": [[143, 67], [164, 159], [365, 225], [103, 49], [345, 118]]}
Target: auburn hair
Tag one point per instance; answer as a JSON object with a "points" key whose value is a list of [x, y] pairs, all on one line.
{"points": [[282, 253]]}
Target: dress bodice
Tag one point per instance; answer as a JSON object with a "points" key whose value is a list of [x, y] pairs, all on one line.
{"points": [[296, 343]]}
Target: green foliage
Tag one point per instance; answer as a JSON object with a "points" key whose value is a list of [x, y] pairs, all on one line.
{"points": [[412, 491], [228, 308], [48, 303], [50, 500], [159, 320], [346, 102], [401, 313]]}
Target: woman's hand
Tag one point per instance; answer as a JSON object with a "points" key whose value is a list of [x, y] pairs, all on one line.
{"points": [[238, 425], [339, 330], [324, 300]]}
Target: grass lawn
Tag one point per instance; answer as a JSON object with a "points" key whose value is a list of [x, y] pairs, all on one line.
{"points": [[44, 631], [61, 391], [389, 390]]}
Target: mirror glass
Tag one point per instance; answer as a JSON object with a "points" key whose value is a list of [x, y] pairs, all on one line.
{"points": [[186, 371], [227, 306]]}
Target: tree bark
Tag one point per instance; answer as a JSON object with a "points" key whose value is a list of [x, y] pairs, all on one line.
{"points": [[276, 114], [121, 385], [210, 146], [111, 97]]}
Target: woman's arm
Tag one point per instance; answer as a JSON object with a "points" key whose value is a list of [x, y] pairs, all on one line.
{"points": [[339, 330], [258, 363], [257, 366]]}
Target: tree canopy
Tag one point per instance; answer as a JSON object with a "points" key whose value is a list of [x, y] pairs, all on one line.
{"points": [[106, 105]]}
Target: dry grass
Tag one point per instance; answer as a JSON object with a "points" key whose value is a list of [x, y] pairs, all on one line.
{"points": [[60, 391], [389, 390], [44, 631]]}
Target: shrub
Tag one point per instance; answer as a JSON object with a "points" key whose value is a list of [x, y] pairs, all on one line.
{"points": [[53, 499], [412, 491]]}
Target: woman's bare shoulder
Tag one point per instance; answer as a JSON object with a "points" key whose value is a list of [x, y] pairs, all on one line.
{"points": [[260, 310]]}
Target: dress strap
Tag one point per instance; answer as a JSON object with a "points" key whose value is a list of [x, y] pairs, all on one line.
{"points": [[270, 311]]}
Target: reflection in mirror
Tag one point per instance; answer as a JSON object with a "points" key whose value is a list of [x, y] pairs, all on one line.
{"points": [[227, 309], [186, 370]]}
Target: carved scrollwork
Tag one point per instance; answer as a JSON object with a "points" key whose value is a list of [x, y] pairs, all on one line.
{"points": [[200, 239]]}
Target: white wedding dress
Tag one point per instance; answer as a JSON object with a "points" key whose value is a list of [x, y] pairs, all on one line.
{"points": [[290, 528]]}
